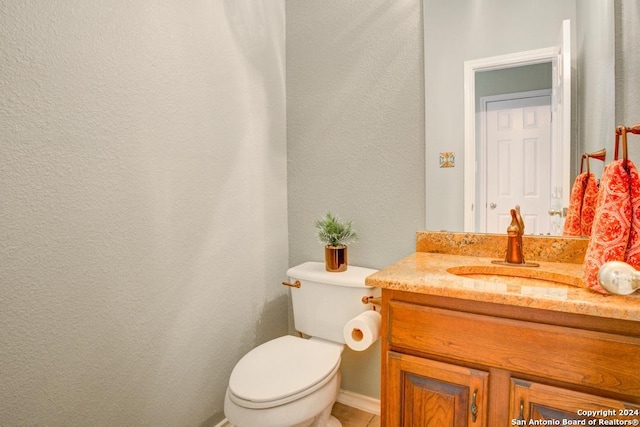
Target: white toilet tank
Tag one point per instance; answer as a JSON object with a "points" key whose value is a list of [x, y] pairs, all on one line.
{"points": [[326, 301]]}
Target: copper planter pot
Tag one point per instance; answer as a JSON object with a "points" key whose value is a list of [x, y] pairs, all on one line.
{"points": [[335, 258]]}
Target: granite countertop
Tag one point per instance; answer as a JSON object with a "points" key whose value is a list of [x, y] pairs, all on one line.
{"points": [[426, 273]]}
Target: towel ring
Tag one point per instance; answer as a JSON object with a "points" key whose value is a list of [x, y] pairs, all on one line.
{"points": [[598, 155]]}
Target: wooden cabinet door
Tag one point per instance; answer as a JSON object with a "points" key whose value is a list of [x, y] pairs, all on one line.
{"points": [[533, 401], [426, 393]]}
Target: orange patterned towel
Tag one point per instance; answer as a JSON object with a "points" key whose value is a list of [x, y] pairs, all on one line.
{"points": [[572, 226], [589, 201], [611, 225], [632, 256]]}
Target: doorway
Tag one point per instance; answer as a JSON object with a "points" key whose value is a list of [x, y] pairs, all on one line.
{"points": [[559, 57], [515, 154]]}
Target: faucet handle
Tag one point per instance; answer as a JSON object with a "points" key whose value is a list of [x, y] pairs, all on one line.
{"points": [[520, 220]]}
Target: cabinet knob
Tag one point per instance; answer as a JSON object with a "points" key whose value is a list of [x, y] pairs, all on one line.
{"points": [[521, 416], [474, 407]]}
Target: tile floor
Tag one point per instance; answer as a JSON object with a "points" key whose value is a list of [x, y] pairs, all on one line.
{"points": [[352, 417]]}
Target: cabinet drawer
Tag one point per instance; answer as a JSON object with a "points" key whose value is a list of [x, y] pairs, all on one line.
{"points": [[593, 359]]}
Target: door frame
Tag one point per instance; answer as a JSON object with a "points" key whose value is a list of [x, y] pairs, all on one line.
{"points": [[472, 67], [481, 225]]}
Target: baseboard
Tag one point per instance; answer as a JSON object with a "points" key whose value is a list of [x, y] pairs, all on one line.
{"points": [[223, 423], [359, 401]]}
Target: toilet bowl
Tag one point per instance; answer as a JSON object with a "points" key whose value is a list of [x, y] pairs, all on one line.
{"points": [[291, 381], [288, 381]]}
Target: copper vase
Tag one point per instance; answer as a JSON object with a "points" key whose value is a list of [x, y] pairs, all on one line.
{"points": [[335, 258]]}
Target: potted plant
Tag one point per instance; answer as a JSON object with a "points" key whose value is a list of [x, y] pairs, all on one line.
{"points": [[336, 235]]}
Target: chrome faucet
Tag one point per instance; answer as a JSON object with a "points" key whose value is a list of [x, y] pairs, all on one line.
{"points": [[515, 230]]}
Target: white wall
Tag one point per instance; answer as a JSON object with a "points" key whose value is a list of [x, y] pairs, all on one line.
{"points": [[142, 208], [355, 136]]}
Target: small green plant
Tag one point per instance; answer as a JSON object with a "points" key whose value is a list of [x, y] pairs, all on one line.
{"points": [[333, 232]]}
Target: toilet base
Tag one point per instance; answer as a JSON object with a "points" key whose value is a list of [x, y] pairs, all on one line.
{"points": [[298, 413], [317, 422], [333, 422]]}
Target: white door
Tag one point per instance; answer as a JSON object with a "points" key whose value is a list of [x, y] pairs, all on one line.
{"points": [[518, 163]]}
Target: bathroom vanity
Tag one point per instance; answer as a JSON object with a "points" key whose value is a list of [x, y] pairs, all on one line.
{"points": [[487, 347]]}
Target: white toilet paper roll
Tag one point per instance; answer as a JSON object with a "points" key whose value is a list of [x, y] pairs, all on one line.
{"points": [[363, 330]]}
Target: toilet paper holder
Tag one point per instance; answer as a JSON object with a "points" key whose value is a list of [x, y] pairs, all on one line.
{"points": [[372, 300]]}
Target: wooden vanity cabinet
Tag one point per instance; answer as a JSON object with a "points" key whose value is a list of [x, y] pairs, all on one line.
{"points": [[454, 362]]}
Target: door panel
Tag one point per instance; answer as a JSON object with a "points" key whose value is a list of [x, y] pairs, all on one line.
{"points": [[423, 393], [518, 136], [432, 402]]}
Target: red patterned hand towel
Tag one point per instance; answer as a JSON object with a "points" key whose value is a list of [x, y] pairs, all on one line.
{"points": [[588, 211], [572, 225], [611, 225], [632, 256]]}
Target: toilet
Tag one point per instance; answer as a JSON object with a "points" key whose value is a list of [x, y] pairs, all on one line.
{"points": [[292, 381]]}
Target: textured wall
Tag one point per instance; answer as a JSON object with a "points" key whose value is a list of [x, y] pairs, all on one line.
{"points": [[628, 70], [142, 207], [355, 136], [595, 77]]}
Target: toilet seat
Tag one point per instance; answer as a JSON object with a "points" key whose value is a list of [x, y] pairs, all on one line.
{"points": [[283, 370]]}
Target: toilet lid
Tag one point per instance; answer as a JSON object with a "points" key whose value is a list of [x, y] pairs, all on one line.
{"points": [[283, 367]]}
